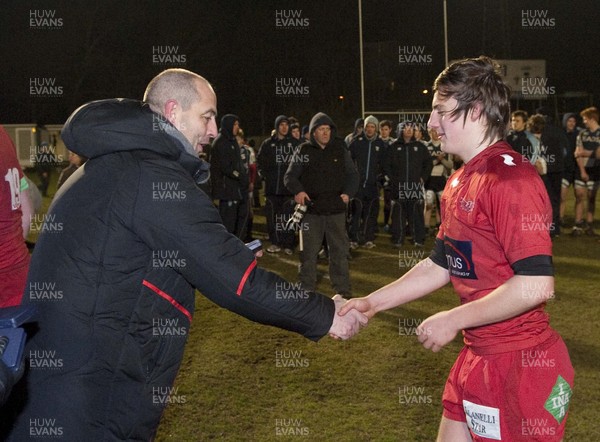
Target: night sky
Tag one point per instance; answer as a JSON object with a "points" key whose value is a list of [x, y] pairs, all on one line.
{"points": [[265, 58]]}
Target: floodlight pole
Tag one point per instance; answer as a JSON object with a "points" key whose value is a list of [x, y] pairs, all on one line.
{"points": [[362, 72], [446, 33]]}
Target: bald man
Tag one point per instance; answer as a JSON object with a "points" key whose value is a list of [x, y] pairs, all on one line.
{"points": [[114, 284]]}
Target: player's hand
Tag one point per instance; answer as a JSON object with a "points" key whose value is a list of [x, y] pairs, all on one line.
{"points": [[362, 305], [346, 326], [437, 331]]}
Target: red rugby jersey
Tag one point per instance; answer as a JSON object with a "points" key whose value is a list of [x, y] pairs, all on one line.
{"points": [[495, 212]]}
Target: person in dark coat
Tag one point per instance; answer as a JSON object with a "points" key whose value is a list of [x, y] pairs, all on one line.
{"points": [[274, 157], [230, 178], [323, 177], [115, 286], [367, 152], [407, 166]]}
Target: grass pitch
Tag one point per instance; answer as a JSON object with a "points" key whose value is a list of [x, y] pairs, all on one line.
{"points": [[240, 381]]}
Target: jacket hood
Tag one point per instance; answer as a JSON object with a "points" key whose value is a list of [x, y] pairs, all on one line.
{"points": [[360, 122], [321, 119], [566, 117], [278, 121], [120, 124], [227, 123]]}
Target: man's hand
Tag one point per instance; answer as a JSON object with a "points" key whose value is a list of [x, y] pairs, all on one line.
{"points": [[346, 326], [360, 304], [301, 198], [437, 331], [345, 198], [584, 177]]}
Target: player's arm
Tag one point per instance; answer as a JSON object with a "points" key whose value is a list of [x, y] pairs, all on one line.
{"points": [[516, 296], [424, 278]]}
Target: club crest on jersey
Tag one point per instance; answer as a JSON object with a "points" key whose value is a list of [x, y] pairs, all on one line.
{"points": [[466, 205], [459, 255]]}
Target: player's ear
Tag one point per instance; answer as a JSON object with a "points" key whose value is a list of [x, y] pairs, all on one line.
{"points": [[475, 112]]}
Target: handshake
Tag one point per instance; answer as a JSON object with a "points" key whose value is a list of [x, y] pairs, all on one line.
{"points": [[346, 321]]}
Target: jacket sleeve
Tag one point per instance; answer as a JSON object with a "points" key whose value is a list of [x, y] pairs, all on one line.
{"points": [[218, 264], [426, 164], [351, 180], [291, 179], [263, 159]]}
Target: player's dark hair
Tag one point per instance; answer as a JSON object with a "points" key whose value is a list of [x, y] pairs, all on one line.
{"points": [[477, 81]]}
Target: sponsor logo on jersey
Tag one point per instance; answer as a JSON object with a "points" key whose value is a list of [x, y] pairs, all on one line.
{"points": [[459, 255]]}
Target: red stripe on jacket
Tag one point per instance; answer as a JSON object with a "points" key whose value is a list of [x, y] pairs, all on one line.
{"points": [[164, 295]]}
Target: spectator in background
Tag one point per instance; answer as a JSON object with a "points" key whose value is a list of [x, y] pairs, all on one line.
{"points": [[571, 131], [553, 144], [45, 161], [588, 142], [359, 125], [407, 167], [385, 130], [230, 177], [295, 131], [516, 136], [15, 219], [367, 152], [75, 162], [441, 170], [249, 162], [274, 157], [534, 154], [305, 135], [323, 177]]}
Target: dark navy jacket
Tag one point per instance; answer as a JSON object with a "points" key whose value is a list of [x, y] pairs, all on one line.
{"points": [[368, 156], [114, 285]]}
